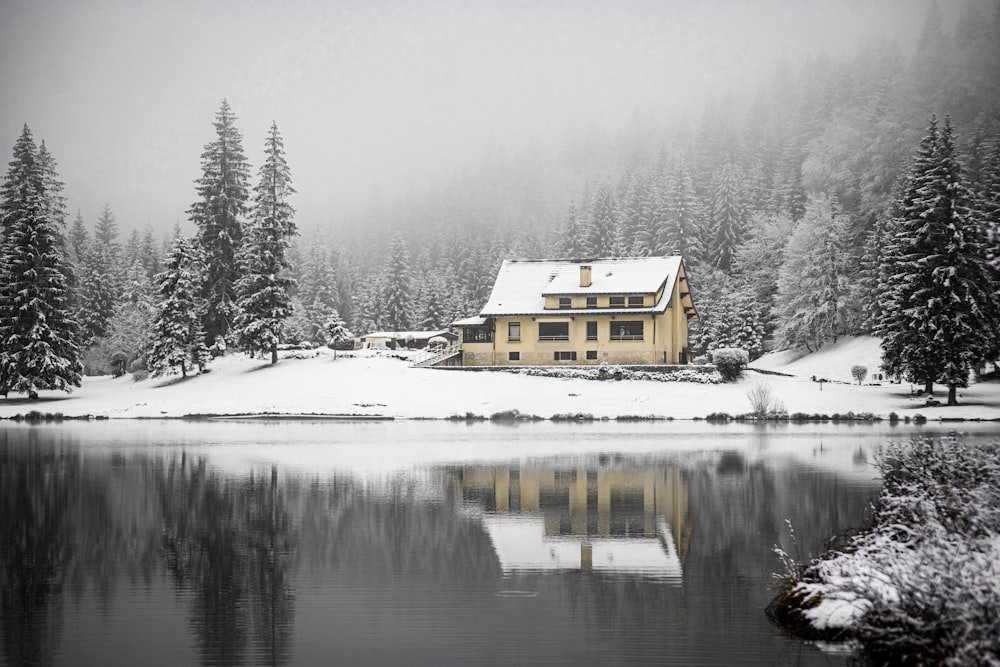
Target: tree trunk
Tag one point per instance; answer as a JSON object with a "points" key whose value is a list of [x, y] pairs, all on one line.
{"points": [[929, 388], [952, 395], [274, 354]]}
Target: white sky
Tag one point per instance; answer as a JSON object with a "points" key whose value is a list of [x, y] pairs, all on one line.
{"points": [[375, 97]]}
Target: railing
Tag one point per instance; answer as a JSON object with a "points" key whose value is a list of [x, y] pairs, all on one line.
{"points": [[431, 357], [627, 337], [549, 338]]}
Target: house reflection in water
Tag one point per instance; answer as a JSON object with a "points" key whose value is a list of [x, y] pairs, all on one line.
{"points": [[631, 520]]}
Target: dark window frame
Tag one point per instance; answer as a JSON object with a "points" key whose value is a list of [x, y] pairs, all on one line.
{"points": [[591, 302], [591, 355], [547, 326], [633, 299], [481, 334], [564, 355], [565, 303], [514, 356], [616, 302], [510, 331], [592, 325], [623, 330]]}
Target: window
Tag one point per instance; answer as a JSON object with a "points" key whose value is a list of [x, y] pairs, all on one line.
{"points": [[565, 302], [591, 302], [565, 356], [592, 355], [591, 330], [635, 302], [477, 335], [626, 330], [553, 331], [513, 356], [617, 302], [514, 331]]}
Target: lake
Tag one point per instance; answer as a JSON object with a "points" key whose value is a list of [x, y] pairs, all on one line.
{"points": [[417, 543]]}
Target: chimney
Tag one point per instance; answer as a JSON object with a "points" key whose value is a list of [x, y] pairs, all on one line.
{"points": [[585, 276]]}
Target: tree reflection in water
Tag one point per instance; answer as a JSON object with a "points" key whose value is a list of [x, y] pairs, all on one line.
{"points": [[229, 541]]}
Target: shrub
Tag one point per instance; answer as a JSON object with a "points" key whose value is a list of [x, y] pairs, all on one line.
{"points": [[764, 403], [730, 361], [859, 373]]}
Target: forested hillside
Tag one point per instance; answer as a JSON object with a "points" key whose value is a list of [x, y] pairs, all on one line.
{"points": [[776, 202]]}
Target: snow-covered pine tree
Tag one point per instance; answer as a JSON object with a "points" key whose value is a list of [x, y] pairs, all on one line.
{"points": [[571, 234], [813, 301], [37, 330], [218, 215], [601, 226], [397, 287], [129, 328], [263, 289], [338, 336], [178, 338], [941, 314], [684, 227], [728, 215], [77, 240]]}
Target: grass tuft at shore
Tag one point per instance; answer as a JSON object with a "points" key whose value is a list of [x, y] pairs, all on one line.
{"points": [[922, 584]]}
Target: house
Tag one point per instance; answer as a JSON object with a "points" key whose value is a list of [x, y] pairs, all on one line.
{"points": [[405, 339], [619, 311]]}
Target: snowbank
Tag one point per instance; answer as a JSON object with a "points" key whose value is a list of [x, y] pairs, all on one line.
{"points": [[374, 383]]}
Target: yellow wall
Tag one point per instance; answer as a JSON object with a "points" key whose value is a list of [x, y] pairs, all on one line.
{"points": [[664, 336]]}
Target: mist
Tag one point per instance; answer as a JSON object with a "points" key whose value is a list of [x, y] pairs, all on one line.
{"points": [[377, 102]]}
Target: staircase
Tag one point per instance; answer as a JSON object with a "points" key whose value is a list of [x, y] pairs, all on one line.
{"points": [[436, 356]]}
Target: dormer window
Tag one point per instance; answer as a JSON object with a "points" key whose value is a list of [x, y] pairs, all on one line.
{"points": [[565, 302], [591, 302], [616, 302], [635, 302]]}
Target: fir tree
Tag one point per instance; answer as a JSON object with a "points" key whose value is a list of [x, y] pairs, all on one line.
{"points": [[813, 301], [178, 338], [218, 215], [37, 331], [77, 240], [601, 226], [338, 336], [397, 287], [263, 289], [940, 316], [727, 215], [683, 227]]}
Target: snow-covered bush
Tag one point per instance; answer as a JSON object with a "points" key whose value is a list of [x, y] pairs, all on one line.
{"points": [[730, 361], [922, 586]]}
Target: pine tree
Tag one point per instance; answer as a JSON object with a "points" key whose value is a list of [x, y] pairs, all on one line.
{"points": [[813, 301], [37, 331], [940, 316], [337, 334], [601, 226], [77, 240], [263, 290], [397, 287], [218, 215], [178, 338], [684, 227], [727, 215]]}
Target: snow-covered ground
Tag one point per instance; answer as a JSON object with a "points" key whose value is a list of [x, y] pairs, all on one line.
{"points": [[372, 383]]}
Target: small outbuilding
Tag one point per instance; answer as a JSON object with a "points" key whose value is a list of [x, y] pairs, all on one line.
{"points": [[407, 340]]}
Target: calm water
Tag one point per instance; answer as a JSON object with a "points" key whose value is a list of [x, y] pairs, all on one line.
{"points": [[422, 543]]}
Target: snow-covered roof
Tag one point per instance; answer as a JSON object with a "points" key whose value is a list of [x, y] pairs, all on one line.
{"points": [[403, 335], [522, 285], [474, 321]]}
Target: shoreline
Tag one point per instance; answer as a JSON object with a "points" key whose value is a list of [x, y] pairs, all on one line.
{"points": [[372, 385]]}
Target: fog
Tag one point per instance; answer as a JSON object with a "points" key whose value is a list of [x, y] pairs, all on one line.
{"points": [[378, 100]]}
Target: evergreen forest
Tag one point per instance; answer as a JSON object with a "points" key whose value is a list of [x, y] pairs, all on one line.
{"points": [[852, 195]]}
